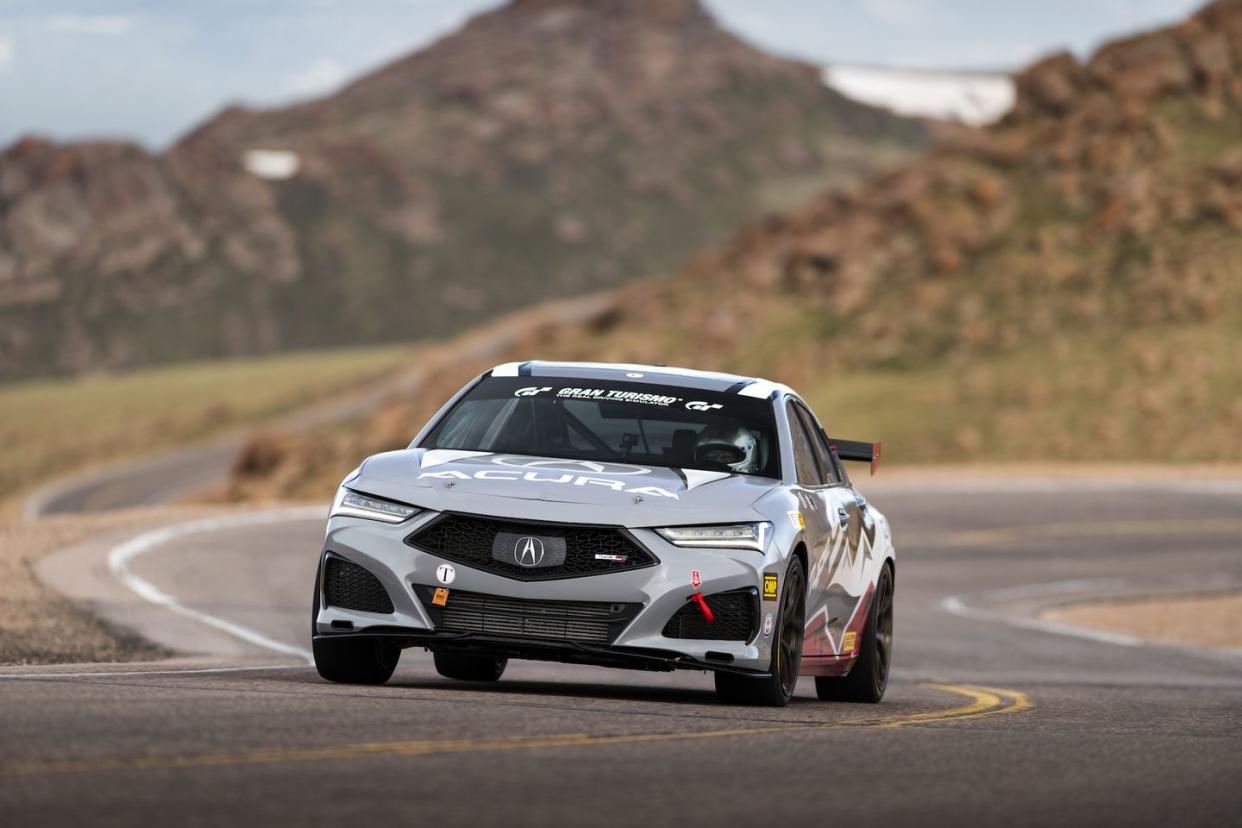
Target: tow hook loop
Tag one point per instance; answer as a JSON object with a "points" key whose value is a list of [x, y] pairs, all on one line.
{"points": [[703, 607]]}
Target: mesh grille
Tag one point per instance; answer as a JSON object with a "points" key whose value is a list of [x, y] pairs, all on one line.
{"points": [[468, 540], [592, 622], [734, 614], [348, 586]]}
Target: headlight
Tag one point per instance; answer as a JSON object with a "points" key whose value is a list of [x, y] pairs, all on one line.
{"points": [[731, 536], [354, 504]]}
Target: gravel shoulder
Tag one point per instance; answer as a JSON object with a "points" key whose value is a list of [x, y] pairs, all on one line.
{"points": [[1200, 621], [43, 627]]}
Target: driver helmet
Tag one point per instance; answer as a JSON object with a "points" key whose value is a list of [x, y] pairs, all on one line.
{"points": [[731, 446]]}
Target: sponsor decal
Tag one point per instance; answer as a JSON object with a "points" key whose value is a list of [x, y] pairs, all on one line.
{"points": [[611, 558], [797, 520], [696, 578], [445, 574], [699, 405], [614, 395], [564, 472], [770, 583], [531, 391], [767, 624], [572, 466], [847, 643], [441, 597]]}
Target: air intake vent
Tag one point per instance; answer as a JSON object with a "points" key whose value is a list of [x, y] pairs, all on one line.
{"points": [[592, 622], [348, 586], [735, 615]]}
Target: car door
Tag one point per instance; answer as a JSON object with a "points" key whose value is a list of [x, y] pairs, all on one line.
{"points": [[841, 579], [818, 507]]}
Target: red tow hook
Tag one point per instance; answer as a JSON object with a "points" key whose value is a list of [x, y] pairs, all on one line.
{"points": [[703, 607]]}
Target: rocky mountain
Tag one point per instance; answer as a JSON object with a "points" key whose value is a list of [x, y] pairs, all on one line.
{"points": [[549, 147], [1064, 286]]}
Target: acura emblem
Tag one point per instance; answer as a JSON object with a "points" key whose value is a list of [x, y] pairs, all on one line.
{"points": [[528, 551]]}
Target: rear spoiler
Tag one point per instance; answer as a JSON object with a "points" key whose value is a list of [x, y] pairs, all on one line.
{"points": [[855, 450]]}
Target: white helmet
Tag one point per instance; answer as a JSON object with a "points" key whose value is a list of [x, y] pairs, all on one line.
{"points": [[732, 446]]}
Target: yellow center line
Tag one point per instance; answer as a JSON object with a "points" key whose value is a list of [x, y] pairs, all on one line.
{"points": [[984, 701]]}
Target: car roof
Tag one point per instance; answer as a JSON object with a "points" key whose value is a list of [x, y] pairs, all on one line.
{"points": [[660, 374]]}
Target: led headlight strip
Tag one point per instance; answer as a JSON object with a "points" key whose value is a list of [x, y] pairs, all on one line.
{"points": [[725, 536], [355, 504]]}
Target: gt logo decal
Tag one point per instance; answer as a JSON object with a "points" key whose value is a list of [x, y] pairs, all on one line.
{"points": [[847, 643], [530, 391], [699, 405], [769, 586]]}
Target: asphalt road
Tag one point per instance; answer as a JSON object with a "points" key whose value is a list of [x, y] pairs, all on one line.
{"points": [[991, 717]]}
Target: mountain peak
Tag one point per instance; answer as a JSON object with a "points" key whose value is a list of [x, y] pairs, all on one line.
{"points": [[667, 9]]}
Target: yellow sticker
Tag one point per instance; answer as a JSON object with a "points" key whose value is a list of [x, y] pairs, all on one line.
{"points": [[847, 644], [441, 597], [798, 521], [769, 586]]}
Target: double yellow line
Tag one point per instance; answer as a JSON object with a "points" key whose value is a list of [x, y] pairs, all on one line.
{"points": [[983, 701]]}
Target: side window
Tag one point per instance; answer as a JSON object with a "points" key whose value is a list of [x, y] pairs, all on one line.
{"points": [[823, 454], [804, 455]]}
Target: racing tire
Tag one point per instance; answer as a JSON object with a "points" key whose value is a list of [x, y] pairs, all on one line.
{"points": [[351, 660], [470, 667], [777, 688], [868, 678], [355, 660]]}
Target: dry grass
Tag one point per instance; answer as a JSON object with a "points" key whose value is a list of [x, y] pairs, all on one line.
{"points": [[51, 427]]}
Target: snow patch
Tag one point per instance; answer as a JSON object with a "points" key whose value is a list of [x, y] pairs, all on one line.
{"points": [[973, 98], [274, 165]]}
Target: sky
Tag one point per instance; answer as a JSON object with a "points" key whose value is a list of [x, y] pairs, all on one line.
{"points": [[149, 70]]}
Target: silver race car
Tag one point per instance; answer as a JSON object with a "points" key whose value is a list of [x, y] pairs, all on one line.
{"points": [[619, 515]]}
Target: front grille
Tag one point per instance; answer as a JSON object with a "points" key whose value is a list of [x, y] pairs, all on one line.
{"points": [[588, 550], [734, 613], [349, 586], [591, 622]]}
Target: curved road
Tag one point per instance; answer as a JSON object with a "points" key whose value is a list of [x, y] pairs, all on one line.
{"points": [[992, 715]]}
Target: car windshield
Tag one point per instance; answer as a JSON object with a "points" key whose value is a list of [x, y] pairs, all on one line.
{"points": [[580, 419]]}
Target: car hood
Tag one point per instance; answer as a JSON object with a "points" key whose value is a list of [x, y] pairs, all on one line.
{"points": [[539, 488]]}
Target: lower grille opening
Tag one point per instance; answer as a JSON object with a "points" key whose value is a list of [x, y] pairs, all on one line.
{"points": [[350, 586], [589, 622], [735, 614]]}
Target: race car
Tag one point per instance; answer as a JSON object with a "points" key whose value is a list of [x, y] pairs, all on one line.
{"points": [[633, 516]]}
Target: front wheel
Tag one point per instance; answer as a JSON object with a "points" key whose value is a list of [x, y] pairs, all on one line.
{"points": [[868, 678], [356, 660], [777, 688]]}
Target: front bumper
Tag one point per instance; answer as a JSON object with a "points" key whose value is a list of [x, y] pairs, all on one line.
{"points": [[658, 592]]}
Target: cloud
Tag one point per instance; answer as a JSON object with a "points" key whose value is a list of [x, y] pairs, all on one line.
{"points": [[324, 75], [8, 50], [89, 24]]}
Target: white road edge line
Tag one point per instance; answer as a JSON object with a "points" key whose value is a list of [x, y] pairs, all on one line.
{"points": [[954, 605], [120, 556]]}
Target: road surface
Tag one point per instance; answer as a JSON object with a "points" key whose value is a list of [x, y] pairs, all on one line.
{"points": [[990, 717]]}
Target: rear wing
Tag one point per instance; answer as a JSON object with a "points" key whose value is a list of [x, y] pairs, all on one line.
{"points": [[855, 450]]}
